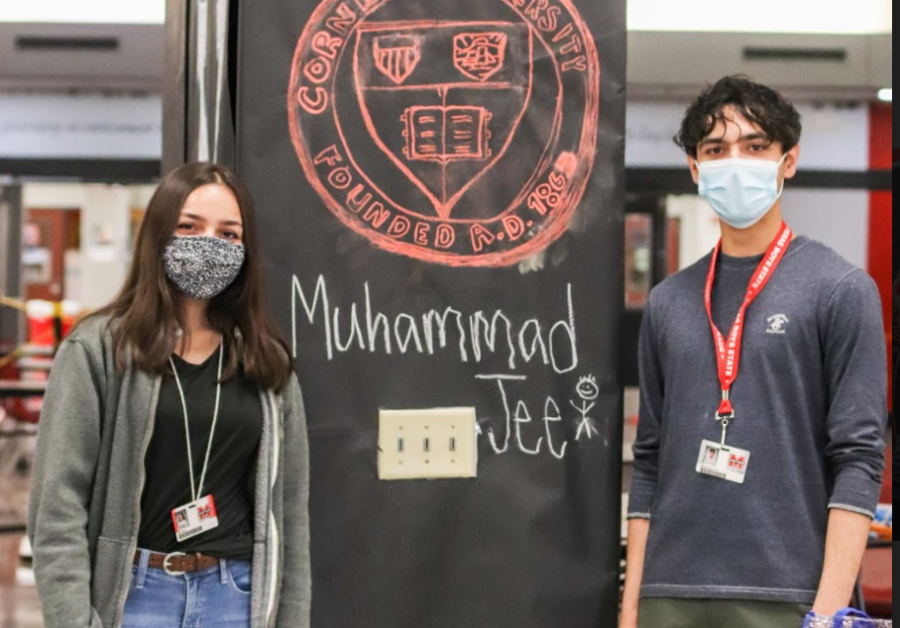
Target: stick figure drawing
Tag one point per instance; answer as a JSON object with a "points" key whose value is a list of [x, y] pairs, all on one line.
{"points": [[588, 391]]}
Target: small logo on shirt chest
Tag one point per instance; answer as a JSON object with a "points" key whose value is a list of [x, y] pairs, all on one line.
{"points": [[778, 324]]}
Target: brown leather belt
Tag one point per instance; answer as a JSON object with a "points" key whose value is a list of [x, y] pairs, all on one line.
{"points": [[177, 563]]}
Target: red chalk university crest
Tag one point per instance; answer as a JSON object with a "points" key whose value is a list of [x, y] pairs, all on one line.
{"points": [[447, 139]]}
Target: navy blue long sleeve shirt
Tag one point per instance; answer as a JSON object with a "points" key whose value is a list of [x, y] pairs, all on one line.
{"points": [[811, 406]]}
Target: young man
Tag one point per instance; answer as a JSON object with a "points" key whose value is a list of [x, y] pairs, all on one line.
{"points": [[770, 350]]}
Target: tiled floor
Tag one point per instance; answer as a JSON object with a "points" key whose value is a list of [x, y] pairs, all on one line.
{"points": [[19, 603], [19, 608], [18, 598]]}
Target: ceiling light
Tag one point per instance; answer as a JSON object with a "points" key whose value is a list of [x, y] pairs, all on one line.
{"points": [[796, 16], [84, 11], [885, 95]]}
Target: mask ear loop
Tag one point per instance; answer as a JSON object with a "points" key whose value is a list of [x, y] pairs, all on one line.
{"points": [[784, 181]]}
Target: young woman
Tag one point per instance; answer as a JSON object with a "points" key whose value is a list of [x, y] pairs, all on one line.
{"points": [[171, 478]]}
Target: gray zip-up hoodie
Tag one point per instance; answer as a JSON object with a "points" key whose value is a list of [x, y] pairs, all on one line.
{"points": [[84, 515]]}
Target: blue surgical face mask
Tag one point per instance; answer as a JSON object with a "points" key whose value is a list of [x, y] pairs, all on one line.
{"points": [[741, 191]]}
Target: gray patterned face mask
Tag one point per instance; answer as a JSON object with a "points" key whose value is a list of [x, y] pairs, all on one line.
{"points": [[202, 267]]}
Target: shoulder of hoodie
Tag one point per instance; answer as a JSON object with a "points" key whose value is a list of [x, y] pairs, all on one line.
{"points": [[94, 333]]}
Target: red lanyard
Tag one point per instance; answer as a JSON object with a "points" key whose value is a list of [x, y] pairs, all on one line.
{"points": [[728, 352]]}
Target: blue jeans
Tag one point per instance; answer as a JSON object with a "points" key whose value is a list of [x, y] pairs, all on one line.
{"points": [[218, 597]]}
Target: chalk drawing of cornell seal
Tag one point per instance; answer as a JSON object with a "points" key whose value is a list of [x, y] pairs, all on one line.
{"points": [[455, 141]]}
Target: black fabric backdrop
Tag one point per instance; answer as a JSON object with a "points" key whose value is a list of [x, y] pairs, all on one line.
{"points": [[534, 541]]}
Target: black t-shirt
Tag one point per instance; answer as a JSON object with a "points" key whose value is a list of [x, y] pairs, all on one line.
{"points": [[230, 478]]}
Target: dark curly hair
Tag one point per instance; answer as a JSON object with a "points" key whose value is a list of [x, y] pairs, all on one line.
{"points": [[761, 105]]}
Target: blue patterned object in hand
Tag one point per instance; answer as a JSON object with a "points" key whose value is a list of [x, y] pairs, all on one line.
{"points": [[884, 516], [847, 618]]}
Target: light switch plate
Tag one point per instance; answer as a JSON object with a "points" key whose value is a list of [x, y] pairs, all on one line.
{"points": [[427, 444]]}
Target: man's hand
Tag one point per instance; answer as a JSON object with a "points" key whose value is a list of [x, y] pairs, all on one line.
{"points": [[848, 534], [638, 531]]}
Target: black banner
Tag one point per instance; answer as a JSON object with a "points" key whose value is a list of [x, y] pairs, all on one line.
{"points": [[440, 188]]}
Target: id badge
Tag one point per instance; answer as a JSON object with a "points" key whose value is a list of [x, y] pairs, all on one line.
{"points": [[195, 518], [724, 463]]}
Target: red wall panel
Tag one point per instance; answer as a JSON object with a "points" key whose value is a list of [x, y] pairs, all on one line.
{"points": [[880, 214]]}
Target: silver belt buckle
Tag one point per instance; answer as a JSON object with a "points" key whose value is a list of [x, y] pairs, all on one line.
{"points": [[169, 557]]}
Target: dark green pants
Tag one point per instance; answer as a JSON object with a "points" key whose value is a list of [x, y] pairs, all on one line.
{"points": [[672, 613]]}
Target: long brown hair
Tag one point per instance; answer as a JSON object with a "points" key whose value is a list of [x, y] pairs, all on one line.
{"points": [[146, 314]]}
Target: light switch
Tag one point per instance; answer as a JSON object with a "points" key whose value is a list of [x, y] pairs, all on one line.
{"points": [[427, 444]]}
